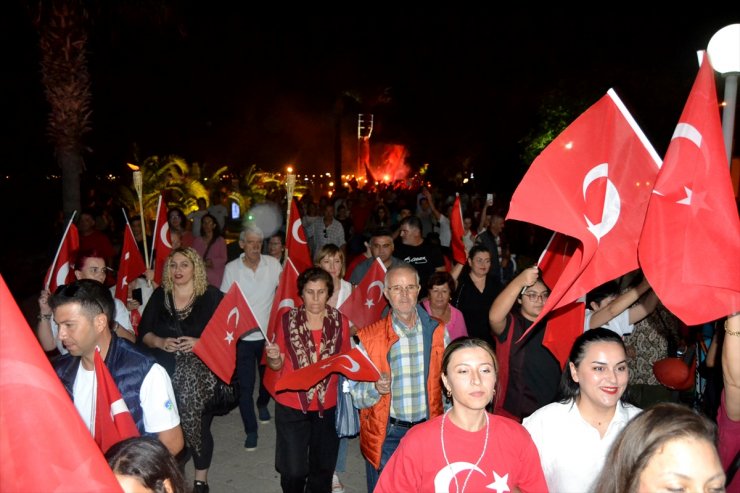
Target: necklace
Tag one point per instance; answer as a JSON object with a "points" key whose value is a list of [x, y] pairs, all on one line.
{"points": [[444, 453]]}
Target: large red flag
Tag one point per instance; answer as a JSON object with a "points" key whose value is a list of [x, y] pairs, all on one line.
{"points": [[162, 240], [217, 344], [286, 297], [131, 264], [61, 270], [456, 226], [295, 241], [592, 183], [113, 420], [690, 245], [366, 303], [353, 364], [44, 444], [564, 324]]}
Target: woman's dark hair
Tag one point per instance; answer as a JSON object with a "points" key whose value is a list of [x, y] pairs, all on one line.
{"points": [[644, 436], [315, 274], [478, 248], [179, 212], [148, 460], [466, 342], [597, 294], [440, 278], [569, 388], [216, 227]]}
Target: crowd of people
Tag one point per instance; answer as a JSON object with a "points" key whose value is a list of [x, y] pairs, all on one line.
{"points": [[468, 399]]}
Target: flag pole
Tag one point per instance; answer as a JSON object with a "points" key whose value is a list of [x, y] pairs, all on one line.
{"points": [[139, 186], [59, 248], [290, 188]]}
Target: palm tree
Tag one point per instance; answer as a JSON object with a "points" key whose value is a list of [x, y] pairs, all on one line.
{"points": [[63, 43]]}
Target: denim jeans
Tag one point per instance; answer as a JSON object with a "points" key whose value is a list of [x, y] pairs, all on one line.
{"points": [[392, 439], [248, 357]]}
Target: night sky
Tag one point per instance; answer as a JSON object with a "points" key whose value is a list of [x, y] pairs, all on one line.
{"points": [[220, 84]]}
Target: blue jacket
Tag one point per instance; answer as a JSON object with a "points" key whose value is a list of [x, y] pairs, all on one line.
{"points": [[128, 366]]}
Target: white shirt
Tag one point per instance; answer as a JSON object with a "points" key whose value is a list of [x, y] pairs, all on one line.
{"points": [[445, 231], [156, 396], [121, 316], [258, 287], [619, 324], [571, 451]]}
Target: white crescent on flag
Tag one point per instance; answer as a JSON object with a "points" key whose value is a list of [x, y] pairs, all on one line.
{"points": [[376, 284], [62, 274], [612, 203], [355, 365], [163, 235], [233, 313], [294, 231]]}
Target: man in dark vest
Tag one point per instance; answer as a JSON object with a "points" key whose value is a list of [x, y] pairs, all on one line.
{"points": [[84, 311]]}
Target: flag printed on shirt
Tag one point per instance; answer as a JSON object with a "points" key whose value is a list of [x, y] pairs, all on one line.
{"points": [[35, 408], [217, 344], [591, 183], [366, 303], [353, 364], [459, 254], [295, 243], [690, 245], [130, 266], [61, 271], [162, 240], [113, 420]]}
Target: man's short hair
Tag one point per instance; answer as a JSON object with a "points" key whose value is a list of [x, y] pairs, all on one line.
{"points": [[411, 222], [378, 232], [251, 230], [398, 267], [93, 297]]}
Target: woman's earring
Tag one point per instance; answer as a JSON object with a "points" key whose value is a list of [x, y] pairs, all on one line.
{"points": [[449, 393]]}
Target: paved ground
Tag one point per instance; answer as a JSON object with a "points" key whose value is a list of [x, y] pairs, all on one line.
{"points": [[235, 470]]}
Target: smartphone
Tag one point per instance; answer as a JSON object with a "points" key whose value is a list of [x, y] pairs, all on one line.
{"points": [[489, 199], [136, 295]]}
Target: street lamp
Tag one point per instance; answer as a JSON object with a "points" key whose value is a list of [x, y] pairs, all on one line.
{"points": [[724, 53]]}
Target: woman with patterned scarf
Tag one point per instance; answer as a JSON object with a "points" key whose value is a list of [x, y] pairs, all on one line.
{"points": [[307, 442]]}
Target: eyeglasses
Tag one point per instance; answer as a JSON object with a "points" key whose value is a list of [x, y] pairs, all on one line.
{"points": [[326, 235], [411, 288], [537, 296]]}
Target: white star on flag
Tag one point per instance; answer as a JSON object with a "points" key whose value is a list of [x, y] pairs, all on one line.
{"points": [[229, 337], [369, 303], [500, 484], [687, 200]]}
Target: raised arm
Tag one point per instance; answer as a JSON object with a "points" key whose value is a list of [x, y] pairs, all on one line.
{"points": [[507, 297], [731, 366], [622, 303]]}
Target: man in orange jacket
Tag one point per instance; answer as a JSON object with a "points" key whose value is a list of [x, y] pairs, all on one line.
{"points": [[407, 347]]}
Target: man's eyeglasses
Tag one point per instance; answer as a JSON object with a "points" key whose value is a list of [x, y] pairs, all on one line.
{"points": [[537, 296], [411, 288], [326, 235]]}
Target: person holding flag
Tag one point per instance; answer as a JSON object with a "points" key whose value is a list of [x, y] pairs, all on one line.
{"points": [[87, 264], [381, 246], [529, 373], [84, 311], [257, 275], [171, 325], [307, 441]]}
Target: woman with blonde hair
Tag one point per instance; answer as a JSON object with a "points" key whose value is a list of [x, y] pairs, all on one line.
{"points": [[331, 258], [172, 323]]}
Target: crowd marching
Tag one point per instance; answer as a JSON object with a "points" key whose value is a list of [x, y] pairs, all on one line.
{"points": [[430, 313]]}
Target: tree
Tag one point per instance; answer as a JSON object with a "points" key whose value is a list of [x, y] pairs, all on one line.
{"points": [[64, 73]]}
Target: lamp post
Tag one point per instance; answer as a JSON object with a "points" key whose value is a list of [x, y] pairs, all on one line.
{"points": [[724, 53]]}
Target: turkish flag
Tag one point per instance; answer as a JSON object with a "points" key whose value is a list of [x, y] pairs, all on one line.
{"points": [[295, 242], [564, 324], [366, 303], [592, 183], [217, 344], [286, 297], [690, 245], [61, 270], [113, 420], [44, 444], [162, 240], [131, 264], [353, 364], [456, 226]]}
